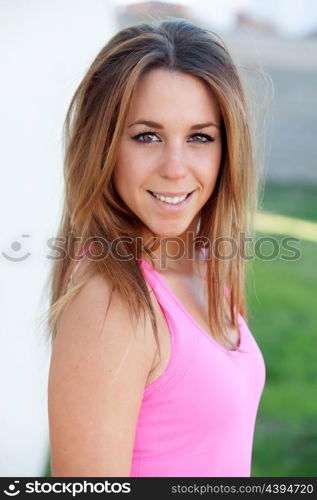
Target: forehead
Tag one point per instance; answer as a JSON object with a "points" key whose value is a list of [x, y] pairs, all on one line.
{"points": [[169, 93]]}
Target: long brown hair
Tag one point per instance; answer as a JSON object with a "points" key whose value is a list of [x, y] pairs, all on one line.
{"points": [[93, 211]]}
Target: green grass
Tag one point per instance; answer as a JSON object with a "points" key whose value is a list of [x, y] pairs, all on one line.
{"points": [[283, 319], [283, 449], [291, 199]]}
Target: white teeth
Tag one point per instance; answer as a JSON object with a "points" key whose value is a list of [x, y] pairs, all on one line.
{"points": [[172, 200]]}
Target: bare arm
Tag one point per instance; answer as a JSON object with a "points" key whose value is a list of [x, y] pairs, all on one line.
{"points": [[97, 377]]}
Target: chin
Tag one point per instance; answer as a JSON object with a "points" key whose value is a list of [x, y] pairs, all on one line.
{"points": [[169, 230]]}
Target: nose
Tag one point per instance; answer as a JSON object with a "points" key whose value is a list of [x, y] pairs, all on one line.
{"points": [[174, 164]]}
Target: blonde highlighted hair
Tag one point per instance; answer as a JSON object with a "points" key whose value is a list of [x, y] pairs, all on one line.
{"points": [[93, 211]]}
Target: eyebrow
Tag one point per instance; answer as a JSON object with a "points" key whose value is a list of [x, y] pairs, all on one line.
{"points": [[159, 126]]}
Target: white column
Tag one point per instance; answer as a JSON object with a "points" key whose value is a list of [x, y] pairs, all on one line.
{"points": [[45, 48]]}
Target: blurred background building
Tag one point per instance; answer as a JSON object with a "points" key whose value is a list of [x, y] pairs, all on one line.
{"points": [[46, 49]]}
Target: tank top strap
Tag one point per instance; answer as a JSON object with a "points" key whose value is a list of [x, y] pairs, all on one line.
{"points": [[183, 343], [157, 283], [160, 291]]}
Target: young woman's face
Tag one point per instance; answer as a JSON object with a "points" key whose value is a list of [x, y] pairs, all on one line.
{"points": [[171, 146]]}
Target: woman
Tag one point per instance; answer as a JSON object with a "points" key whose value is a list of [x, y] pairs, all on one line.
{"points": [[159, 187]]}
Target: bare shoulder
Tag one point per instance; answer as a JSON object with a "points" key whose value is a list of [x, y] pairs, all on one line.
{"points": [[99, 366], [96, 314]]}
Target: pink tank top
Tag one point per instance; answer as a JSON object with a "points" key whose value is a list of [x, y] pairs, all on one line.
{"points": [[197, 418]]}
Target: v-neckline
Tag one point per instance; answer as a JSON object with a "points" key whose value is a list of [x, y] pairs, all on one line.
{"points": [[164, 283]]}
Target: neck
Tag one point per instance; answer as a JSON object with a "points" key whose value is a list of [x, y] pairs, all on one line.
{"points": [[177, 254]]}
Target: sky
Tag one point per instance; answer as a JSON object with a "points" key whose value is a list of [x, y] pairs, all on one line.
{"points": [[292, 17]]}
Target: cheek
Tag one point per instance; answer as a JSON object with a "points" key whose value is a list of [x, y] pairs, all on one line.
{"points": [[210, 166], [133, 167], [128, 174]]}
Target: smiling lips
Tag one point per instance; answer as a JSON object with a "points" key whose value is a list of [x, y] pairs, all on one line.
{"points": [[174, 200], [171, 195]]}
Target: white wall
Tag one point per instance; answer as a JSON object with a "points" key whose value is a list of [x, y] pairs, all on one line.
{"points": [[45, 48]]}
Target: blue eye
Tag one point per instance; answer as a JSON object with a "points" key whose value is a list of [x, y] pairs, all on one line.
{"points": [[204, 138]]}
